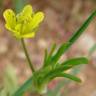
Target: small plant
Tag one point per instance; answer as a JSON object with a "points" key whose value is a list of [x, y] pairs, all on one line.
{"points": [[24, 25]]}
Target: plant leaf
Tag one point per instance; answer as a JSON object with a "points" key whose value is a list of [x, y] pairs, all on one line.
{"points": [[74, 37], [52, 49], [74, 78], [60, 69], [76, 61], [45, 58], [59, 52], [82, 28], [50, 55], [65, 66], [25, 87]]}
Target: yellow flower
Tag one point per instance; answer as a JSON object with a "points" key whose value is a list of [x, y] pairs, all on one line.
{"points": [[23, 24]]}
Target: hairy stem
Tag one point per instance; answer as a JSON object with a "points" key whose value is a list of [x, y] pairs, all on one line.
{"points": [[27, 55]]}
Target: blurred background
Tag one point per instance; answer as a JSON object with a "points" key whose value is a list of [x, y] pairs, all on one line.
{"points": [[62, 19]]}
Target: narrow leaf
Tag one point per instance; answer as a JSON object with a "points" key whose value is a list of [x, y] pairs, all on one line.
{"points": [[82, 28], [59, 52], [45, 57], [73, 39], [25, 87], [74, 78], [53, 76], [46, 63], [55, 72], [52, 49], [76, 61]]}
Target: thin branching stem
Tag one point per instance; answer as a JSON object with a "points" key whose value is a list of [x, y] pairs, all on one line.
{"points": [[27, 55]]}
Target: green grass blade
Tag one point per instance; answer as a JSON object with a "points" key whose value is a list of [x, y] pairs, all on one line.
{"points": [[52, 50], [74, 78], [51, 54], [45, 58], [65, 66], [69, 76], [59, 52], [25, 87], [74, 37], [76, 61], [60, 68], [55, 72], [82, 28], [60, 74]]}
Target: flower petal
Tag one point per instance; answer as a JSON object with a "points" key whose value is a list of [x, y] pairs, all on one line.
{"points": [[29, 35], [10, 18], [37, 19], [18, 27], [28, 10], [24, 24], [25, 14]]}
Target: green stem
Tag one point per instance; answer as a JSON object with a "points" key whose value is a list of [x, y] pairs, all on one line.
{"points": [[27, 56]]}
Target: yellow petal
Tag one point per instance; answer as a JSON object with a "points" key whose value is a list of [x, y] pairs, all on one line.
{"points": [[29, 35], [26, 28], [27, 10], [25, 14], [8, 27], [37, 19], [14, 32], [10, 18], [18, 28]]}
